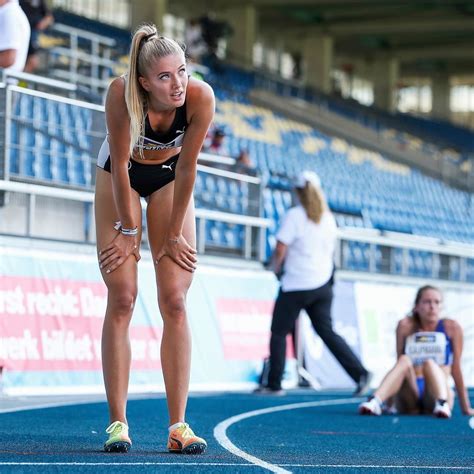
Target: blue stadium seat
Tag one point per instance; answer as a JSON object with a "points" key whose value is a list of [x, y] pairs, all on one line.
{"points": [[470, 270]]}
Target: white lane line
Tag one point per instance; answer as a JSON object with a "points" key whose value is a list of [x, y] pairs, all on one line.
{"points": [[226, 443], [374, 466], [48, 405], [338, 466], [123, 464], [72, 402]]}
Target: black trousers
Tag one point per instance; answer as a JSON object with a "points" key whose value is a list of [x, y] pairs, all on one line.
{"points": [[317, 303]]}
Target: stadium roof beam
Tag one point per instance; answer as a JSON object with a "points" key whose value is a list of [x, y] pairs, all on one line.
{"points": [[393, 26], [310, 3], [427, 68], [446, 52]]}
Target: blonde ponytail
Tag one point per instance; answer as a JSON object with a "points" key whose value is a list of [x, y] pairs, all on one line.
{"points": [[146, 47], [313, 201]]}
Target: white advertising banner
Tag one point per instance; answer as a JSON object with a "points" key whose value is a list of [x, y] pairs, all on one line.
{"points": [[52, 306]]}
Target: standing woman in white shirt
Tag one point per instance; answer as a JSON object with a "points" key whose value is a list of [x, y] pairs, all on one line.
{"points": [[14, 36], [304, 255]]}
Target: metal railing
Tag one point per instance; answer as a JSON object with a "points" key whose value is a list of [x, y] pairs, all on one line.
{"points": [[29, 222], [35, 82], [30, 131], [24, 199], [391, 253], [85, 60]]}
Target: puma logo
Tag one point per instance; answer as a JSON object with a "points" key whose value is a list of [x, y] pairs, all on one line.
{"points": [[180, 131], [168, 166], [178, 442]]}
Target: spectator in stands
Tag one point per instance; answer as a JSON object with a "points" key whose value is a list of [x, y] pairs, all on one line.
{"points": [[215, 142], [40, 18], [157, 119], [196, 47], [297, 58], [429, 350], [243, 164], [304, 262], [14, 36], [213, 30]]}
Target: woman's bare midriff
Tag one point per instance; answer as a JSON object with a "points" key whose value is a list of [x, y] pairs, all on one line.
{"points": [[155, 157]]}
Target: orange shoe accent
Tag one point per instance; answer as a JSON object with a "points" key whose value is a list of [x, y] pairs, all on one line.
{"points": [[183, 440]]}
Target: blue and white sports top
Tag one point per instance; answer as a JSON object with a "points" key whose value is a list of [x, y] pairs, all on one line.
{"points": [[424, 345]]}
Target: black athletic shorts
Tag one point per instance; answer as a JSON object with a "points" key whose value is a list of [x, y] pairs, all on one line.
{"points": [[146, 179]]}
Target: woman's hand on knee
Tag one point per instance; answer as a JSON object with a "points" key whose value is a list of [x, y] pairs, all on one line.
{"points": [[180, 252], [115, 253]]}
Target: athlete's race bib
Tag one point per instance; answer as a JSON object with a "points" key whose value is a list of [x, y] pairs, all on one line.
{"points": [[423, 346]]}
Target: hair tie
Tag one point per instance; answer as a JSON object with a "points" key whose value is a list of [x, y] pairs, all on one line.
{"points": [[145, 39]]}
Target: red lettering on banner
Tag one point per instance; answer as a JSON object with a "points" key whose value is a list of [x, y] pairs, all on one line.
{"points": [[21, 296], [57, 324]]}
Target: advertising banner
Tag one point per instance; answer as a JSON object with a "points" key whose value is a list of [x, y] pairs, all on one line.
{"points": [[52, 306]]}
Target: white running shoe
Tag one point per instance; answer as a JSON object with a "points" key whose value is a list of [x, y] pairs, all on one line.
{"points": [[371, 407], [441, 409]]}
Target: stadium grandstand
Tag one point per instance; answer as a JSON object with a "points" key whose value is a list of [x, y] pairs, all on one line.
{"points": [[377, 97]]}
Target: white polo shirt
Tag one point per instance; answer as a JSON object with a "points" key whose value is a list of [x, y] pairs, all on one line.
{"points": [[14, 33], [309, 260]]}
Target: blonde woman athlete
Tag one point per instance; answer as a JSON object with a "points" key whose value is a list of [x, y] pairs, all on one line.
{"points": [[157, 119]]}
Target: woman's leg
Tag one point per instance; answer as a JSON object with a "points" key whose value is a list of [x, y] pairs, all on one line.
{"points": [[285, 312], [122, 291], [319, 311], [400, 381], [436, 386], [173, 283]]}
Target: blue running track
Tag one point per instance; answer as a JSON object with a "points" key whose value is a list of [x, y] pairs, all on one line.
{"points": [[303, 432]]}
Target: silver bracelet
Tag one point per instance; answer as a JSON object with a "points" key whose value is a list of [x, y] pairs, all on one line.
{"points": [[130, 232]]}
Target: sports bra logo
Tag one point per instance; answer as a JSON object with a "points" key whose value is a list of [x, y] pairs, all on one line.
{"points": [[153, 145]]}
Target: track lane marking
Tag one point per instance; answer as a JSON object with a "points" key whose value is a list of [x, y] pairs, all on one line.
{"points": [[222, 438], [339, 466]]}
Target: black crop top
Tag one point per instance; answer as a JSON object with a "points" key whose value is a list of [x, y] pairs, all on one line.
{"points": [[172, 138]]}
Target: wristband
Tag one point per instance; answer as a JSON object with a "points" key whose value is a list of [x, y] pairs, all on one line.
{"points": [[130, 232]]}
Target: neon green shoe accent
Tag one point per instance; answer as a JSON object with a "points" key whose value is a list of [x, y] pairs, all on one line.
{"points": [[119, 441]]}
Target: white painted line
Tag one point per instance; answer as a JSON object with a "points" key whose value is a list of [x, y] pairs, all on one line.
{"points": [[380, 466], [226, 443], [77, 401], [48, 405], [123, 464], [338, 466]]}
